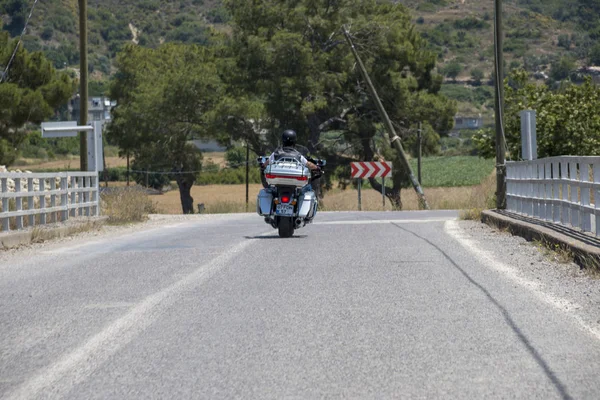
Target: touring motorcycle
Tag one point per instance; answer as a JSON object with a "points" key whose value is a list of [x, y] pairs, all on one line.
{"points": [[288, 202]]}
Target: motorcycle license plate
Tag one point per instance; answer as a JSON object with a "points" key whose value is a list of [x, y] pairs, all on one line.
{"points": [[284, 209]]}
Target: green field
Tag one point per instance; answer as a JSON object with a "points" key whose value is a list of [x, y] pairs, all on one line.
{"points": [[453, 171]]}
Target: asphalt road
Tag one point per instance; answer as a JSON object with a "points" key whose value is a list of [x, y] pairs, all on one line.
{"points": [[369, 305]]}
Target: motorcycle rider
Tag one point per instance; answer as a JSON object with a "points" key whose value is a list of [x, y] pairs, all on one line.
{"points": [[288, 148]]}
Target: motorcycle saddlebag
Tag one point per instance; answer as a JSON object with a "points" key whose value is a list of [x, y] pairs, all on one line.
{"points": [[264, 201], [306, 206]]}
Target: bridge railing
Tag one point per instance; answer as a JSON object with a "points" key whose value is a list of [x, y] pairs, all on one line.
{"points": [[29, 199], [563, 190]]}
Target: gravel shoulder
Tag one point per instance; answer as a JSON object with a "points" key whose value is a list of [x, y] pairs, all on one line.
{"points": [[576, 290]]}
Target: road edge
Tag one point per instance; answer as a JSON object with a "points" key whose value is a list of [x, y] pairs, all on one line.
{"points": [[584, 255], [41, 233]]}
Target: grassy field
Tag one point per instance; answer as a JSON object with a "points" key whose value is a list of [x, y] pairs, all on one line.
{"points": [[453, 171], [72, 162], [231, 198]]}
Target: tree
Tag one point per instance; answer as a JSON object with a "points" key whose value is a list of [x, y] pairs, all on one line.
{"points": [[567, 119], [594, 55], [477, 76], [164, 97], [30, 93], [452, 70], [291, 58], [561, 69]]}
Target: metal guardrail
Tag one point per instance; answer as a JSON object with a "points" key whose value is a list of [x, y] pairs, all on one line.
{"points": [[52, 197], [563, 190]]}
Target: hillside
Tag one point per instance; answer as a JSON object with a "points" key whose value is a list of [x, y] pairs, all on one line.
{"points": [[54, 27], [549, 38], [540, 34]]}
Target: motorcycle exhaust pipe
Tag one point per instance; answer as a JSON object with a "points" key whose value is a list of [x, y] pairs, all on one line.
{"points": [[298, 222]]}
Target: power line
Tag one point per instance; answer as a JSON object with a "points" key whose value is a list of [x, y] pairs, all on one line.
{"points": [[18, 43]]}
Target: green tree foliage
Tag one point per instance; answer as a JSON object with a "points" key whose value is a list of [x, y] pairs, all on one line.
{"points": [[291, 58], [163, 98], [594, 55], [477, 75], [30, 93], [562, 69], [236, 157], [452, 70], [568, 122]]}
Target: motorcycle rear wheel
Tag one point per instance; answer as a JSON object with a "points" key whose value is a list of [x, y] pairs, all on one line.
{"points": [[286, 227]]}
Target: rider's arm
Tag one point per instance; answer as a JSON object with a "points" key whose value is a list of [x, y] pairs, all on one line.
{"points": [[309, 164]]}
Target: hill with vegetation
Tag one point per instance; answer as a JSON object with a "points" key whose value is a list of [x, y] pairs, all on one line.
{"points": [[550, 38], [54, 27]]}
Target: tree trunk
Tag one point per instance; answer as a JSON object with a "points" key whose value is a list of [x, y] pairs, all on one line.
{"points": [[185, 184]]}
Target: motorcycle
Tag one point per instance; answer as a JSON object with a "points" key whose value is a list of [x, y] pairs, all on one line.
{"points": [[288, 203]]}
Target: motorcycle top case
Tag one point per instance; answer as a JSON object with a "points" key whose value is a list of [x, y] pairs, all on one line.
{"points": [[287, 172]]}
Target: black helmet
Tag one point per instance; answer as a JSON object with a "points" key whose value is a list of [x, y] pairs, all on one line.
{"points": [[288, 138]]}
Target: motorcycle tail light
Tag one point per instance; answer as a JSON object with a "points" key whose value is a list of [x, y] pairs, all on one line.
{"points": [[285, 199]]}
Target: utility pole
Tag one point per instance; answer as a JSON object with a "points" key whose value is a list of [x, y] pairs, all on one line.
{"points": [[420, 144], [83, 82], [499, 109], [395, 139], [247, 173]]}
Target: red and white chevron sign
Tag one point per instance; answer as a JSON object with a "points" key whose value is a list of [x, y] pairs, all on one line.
{"points": [[371, 169]]}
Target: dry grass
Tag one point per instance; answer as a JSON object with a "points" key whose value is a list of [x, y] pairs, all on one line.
{"points": [[72, 162], [64, 164], [217, 199], [43, 233], [231, 198], [127, 205]]}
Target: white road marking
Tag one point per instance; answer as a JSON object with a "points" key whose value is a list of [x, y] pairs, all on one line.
{"points": [[453, 229], [61, 377], [382, 221]]}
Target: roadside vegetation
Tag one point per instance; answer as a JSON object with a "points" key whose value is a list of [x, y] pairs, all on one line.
{"points": [[127, 204]]}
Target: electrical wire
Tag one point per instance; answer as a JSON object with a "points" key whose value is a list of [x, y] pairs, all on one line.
{"points": [[4, 74]]}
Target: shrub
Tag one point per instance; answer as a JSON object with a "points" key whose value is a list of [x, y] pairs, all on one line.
{"points": [[471, 23], [125, 205]]}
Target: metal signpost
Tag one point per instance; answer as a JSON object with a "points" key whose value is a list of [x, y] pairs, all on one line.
{"points": [[71, 129], [363, 170]]}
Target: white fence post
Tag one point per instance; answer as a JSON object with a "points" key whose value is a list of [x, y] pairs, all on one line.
{"points": [[30, 201], [73, 210], [53, 199], [5, 206], [42, 186], [574, 195], [18, 203], [555, 192], [565, 207], [586, 216], [64, 197]]}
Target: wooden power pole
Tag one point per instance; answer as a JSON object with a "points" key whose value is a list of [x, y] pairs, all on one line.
{"points": [[390, 131], [499, 109], [419, 151], [83, 82]]}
